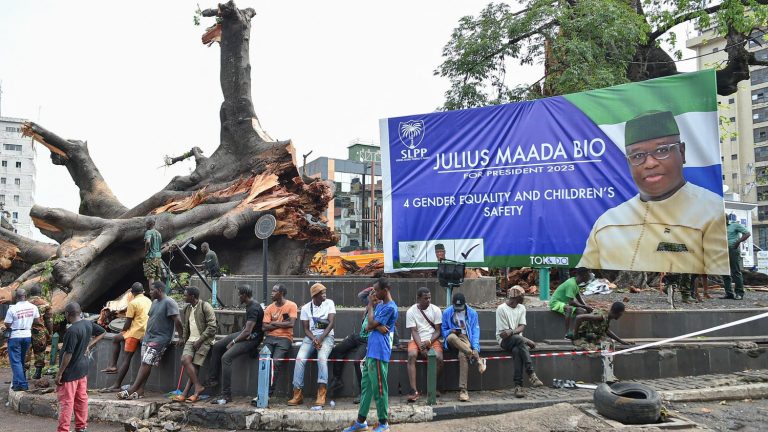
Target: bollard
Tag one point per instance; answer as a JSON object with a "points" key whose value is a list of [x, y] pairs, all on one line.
{"points": [[265, 376], [54, 348], [431, 377], [608, 376], [544, 283]]}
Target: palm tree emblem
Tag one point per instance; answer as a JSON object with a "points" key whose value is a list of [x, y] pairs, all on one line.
{"points": [[411, 133]]}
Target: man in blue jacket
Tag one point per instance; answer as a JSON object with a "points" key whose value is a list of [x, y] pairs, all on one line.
{"points": [[461, 331]]}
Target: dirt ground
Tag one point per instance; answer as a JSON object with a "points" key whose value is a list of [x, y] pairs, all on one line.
{"points": [[744, 416]]}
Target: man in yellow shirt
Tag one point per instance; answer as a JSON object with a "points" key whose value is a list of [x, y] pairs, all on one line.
{"points": [[133, 330], [671, 225]]}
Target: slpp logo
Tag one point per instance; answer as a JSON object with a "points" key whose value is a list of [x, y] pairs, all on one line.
{"points": [[411, 134]]}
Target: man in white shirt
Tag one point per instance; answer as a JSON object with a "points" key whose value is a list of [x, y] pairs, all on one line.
{"points": [[317, 319], [423, 320], [19, 319], [510, 323]]}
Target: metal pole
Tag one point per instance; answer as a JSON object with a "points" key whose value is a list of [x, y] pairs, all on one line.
{"points": [[544, 283], [431, 377], [373, 204], [265, 250], [197, 272]]}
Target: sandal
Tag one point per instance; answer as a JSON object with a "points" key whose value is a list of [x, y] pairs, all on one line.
{"points": [[178, 398], [110, 371], [123, 395], [413, 397], [193, 398], [135, 396]]}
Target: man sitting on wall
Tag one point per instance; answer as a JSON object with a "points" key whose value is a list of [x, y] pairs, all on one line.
{"points": [[510, 324], [590, 330], [423, 320], [567, 300], [461, 331]]}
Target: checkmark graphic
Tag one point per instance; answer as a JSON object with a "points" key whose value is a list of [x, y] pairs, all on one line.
{"points": [[466, 254]]}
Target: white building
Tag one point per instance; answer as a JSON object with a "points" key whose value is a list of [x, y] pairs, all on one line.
{"points": [[17, 174]]}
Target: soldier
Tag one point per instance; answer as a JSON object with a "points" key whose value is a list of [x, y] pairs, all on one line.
{"points": [[152, 254], [41, 331], [671, 225]]}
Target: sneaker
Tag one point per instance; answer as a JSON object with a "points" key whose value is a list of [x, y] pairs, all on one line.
{"points": [[356, 400], [738, 297], [728, 297], [534, 381], [519, 392], [381, 427], [357, 427], [481, 365], [463, 395]]}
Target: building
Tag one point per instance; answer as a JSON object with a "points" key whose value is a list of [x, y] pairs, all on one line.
{"points": [[355, 212], [743, 127], [17, 175]]}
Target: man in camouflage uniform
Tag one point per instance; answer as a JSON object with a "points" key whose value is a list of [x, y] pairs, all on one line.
{"points": [[41, 331], [591, 329], [152, 260]]}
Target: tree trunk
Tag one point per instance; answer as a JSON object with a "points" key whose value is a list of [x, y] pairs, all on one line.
{"points": [[100, 249]]}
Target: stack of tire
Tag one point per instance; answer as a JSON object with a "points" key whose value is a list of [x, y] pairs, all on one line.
{"points": [[628, 403]]}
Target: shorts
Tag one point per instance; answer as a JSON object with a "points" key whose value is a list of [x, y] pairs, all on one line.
{"points": [[131, 344], [151, 355], [557, 306], [189, 351], [437, 345], [153, 268]]}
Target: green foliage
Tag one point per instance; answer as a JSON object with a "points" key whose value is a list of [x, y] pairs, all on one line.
{"points": [[197, 16], [46, 278], [59, 318], [224, 269], [183, 281], [583, 44]]}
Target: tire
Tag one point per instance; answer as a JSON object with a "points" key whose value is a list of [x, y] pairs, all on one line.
{"points": [[628, 403]]}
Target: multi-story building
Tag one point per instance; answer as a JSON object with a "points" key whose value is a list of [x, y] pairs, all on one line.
{"points": [[355, 212], [743, 127], [17, 174]]}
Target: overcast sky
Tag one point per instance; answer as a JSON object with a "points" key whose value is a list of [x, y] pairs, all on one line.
{"points": [[134, 80]]}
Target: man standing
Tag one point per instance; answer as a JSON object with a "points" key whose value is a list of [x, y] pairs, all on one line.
{"points": [[41, 330], [567, 300], [423, 319], [235, 345], [279, 318], [163, 319], [210, 266], [737, 234], [381, 321], [19, 319], [72, 378], [136, 317], [592, 329], [317, 318], [152, 255], [461, 331], [671, 225], [510, 324], [199, 322], [353, 347]]}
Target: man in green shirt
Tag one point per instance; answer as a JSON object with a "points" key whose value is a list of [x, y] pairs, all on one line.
{"points": [[737, 234], [152, 261], [566, 300]]}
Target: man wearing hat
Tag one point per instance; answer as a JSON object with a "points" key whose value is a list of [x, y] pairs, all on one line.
{"points": [[440, 252], [317, 319], [671, 225], [510, 323], [461, 331]]}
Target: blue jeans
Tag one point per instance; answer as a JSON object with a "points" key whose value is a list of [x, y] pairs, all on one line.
{"points": [[17, 352], [308, 350], [215, 292]]}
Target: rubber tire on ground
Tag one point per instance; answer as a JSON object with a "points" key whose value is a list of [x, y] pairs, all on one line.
{"points": [[643, 405]]}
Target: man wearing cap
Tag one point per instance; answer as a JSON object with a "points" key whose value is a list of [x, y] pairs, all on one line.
{"points": [[510, 323], [671, 225], [737, 234], [317, 318], [461, 331], [440, 252]]}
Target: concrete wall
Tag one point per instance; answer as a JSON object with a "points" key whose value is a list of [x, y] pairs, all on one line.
{"points": [[343, 290]]}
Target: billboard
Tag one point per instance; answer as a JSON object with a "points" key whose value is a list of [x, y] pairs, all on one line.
{"points": [[622, 178]]}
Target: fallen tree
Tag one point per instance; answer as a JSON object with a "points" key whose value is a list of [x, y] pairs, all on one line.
{"points": [[100, 248]]}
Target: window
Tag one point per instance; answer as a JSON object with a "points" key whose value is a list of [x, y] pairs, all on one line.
{"points": [[734, 156], [759, 96], [731, 100], [732, 119], [2, 180], [758, 76], [15, 216], [735, 176], [12, 129], [5, 164], [2, 199], [762, 237], [18, 164], [12, 147], [761, 154], [17, 181], [759, 115], [16, 199], [760, 134]]}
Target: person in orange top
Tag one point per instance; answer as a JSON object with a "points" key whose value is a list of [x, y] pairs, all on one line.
{"points": [[279, 318]]}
